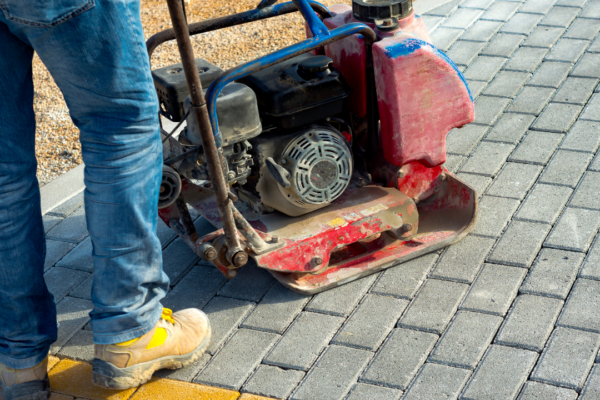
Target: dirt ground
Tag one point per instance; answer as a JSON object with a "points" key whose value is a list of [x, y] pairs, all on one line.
{"points": [[57, 139]]}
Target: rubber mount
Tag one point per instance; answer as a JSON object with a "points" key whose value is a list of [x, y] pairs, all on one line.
{"points": [[34, 390], [372, 10]]}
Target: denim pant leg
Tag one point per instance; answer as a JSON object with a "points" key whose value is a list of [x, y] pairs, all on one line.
{"points": [[28, 326], [98, 59]]}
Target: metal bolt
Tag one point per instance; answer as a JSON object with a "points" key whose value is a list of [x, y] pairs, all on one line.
{"points": [[407, 228], [231, 175], [400, 174], [274, 239], [283, 161], [317, 260], [387, 22], [210, 254], [162, 189], [240, 259], [231, 273], [436, 189], [416, 200]]}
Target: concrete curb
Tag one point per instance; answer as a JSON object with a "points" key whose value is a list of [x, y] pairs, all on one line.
{"points": [[62, 189]]}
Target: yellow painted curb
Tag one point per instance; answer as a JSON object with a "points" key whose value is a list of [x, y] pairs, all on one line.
{"points": [[167, 389]]}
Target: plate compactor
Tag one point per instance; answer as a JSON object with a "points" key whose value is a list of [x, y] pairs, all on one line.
{"points": [[322, 161]]}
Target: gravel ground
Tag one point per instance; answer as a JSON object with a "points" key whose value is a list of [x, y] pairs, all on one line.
{"points": [[57, 140]]}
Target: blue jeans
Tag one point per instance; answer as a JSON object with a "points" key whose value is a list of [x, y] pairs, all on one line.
{"points": [[95, 51]]}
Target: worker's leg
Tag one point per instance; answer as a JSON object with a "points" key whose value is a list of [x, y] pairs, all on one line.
{"points": [[98, 59]]}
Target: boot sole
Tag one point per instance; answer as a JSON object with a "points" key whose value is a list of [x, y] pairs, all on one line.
{"points": [[106, 375], [35, 390]]}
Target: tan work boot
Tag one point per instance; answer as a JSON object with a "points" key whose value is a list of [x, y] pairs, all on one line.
{"points": [[25, 384], [177, 340]]}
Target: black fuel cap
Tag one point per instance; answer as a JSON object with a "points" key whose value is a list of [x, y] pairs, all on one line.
{"points": [[315, 66], [376, 10]]}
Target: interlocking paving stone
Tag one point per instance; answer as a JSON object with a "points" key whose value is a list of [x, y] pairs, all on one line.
{"points": [[178, 258], [477, 182], [50, 221], [519, 244], [591, 265], [400, 358], [500, 11], [586, 194], [71, 314], [595, 47], [334, 373], [544, 36], [494, 214], [484, 68], [571, 3], [529, 322], [463, 141], [503, 44], [79, 258], [568, 358], [582, 310], [433, 307], [68, 207], [445, 9], [526, 59], [480, 4], [521, 23], [550, 74], [443, 38], [304, 340], [431, 22], [463, 52], [568, 50], [84, 289], [565, 168], [531, 100], [225, 314], [553, 273], [231, 366], [583, 28], [592, 110], [592, 10], [55, 250], [462, 261], [466, 339], [476, 87], [195, 289], [453, 162], [536, 147], [591, 391], [575, 230], [164, 233], [539, 391], [537, 6], [544, 203], [507, 84], [515, 180], [488, 158], [71, 229], [80, 347], [494, 289], [501, 374], [575, 91], [60, 281], [436, 381], [276, 310], [489, 109], [273, 382], [482, 31], [251, 284], [186, 374], [342, 299], [560, 16], [557, 117], [405, 279], [462, 18], [363, 391], [371, 322], [588, 66]]}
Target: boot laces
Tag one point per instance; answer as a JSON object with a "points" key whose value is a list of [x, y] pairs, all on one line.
{"points": [[167, 315]]}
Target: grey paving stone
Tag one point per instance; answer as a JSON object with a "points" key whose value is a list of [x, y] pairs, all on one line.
{"points": [[479, 4], [507, 84], [482, 31], [494, 289], [582, 310], [515, 180], [71, 229], [405, 279], [526, 59], [462, 261], [550, 74], [575, 91], [536, 147], [488, 158], [445, 9], [273, 382], [591, 266], [557, 117], [489, 109], [50, 221], [334, 374], [595, 47], [591, 391], [431, 22], [186, 374], [544, 36], [434, 306], [568, 358], [536, 390], [72, 315], [371, 322], [530, 322], [251, 284], [437, 382], [586, 195], [484, 68], [178, 258], [565, 168], [500, 11], [463, 52], [463, 141], [575, 230], [476, 87], [560, 17], [276, 310], [537, 6], [79, 258], [503, 44], [443, 38], [195, 289], [521, 23], [501, 374], [592, 10], [304, 340], [494, 214], [237, 359], [531, 100], [84, 289], [568, 50], [519, 244], [571, 3], [466, 339], [68, 207], [453, 162], [60, 281], [55, 250], [511, 127], [588, 66], [80, 347], [462, 18], [583, 28], [164, 233], [363, 391], [553, 273], [592, 110], [544, 203], [342, 299], [225, 314], [400, 358], [595, 165], [477, 182]]}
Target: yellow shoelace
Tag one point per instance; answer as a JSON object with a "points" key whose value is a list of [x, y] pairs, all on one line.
{"points": [[167, 315]]}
